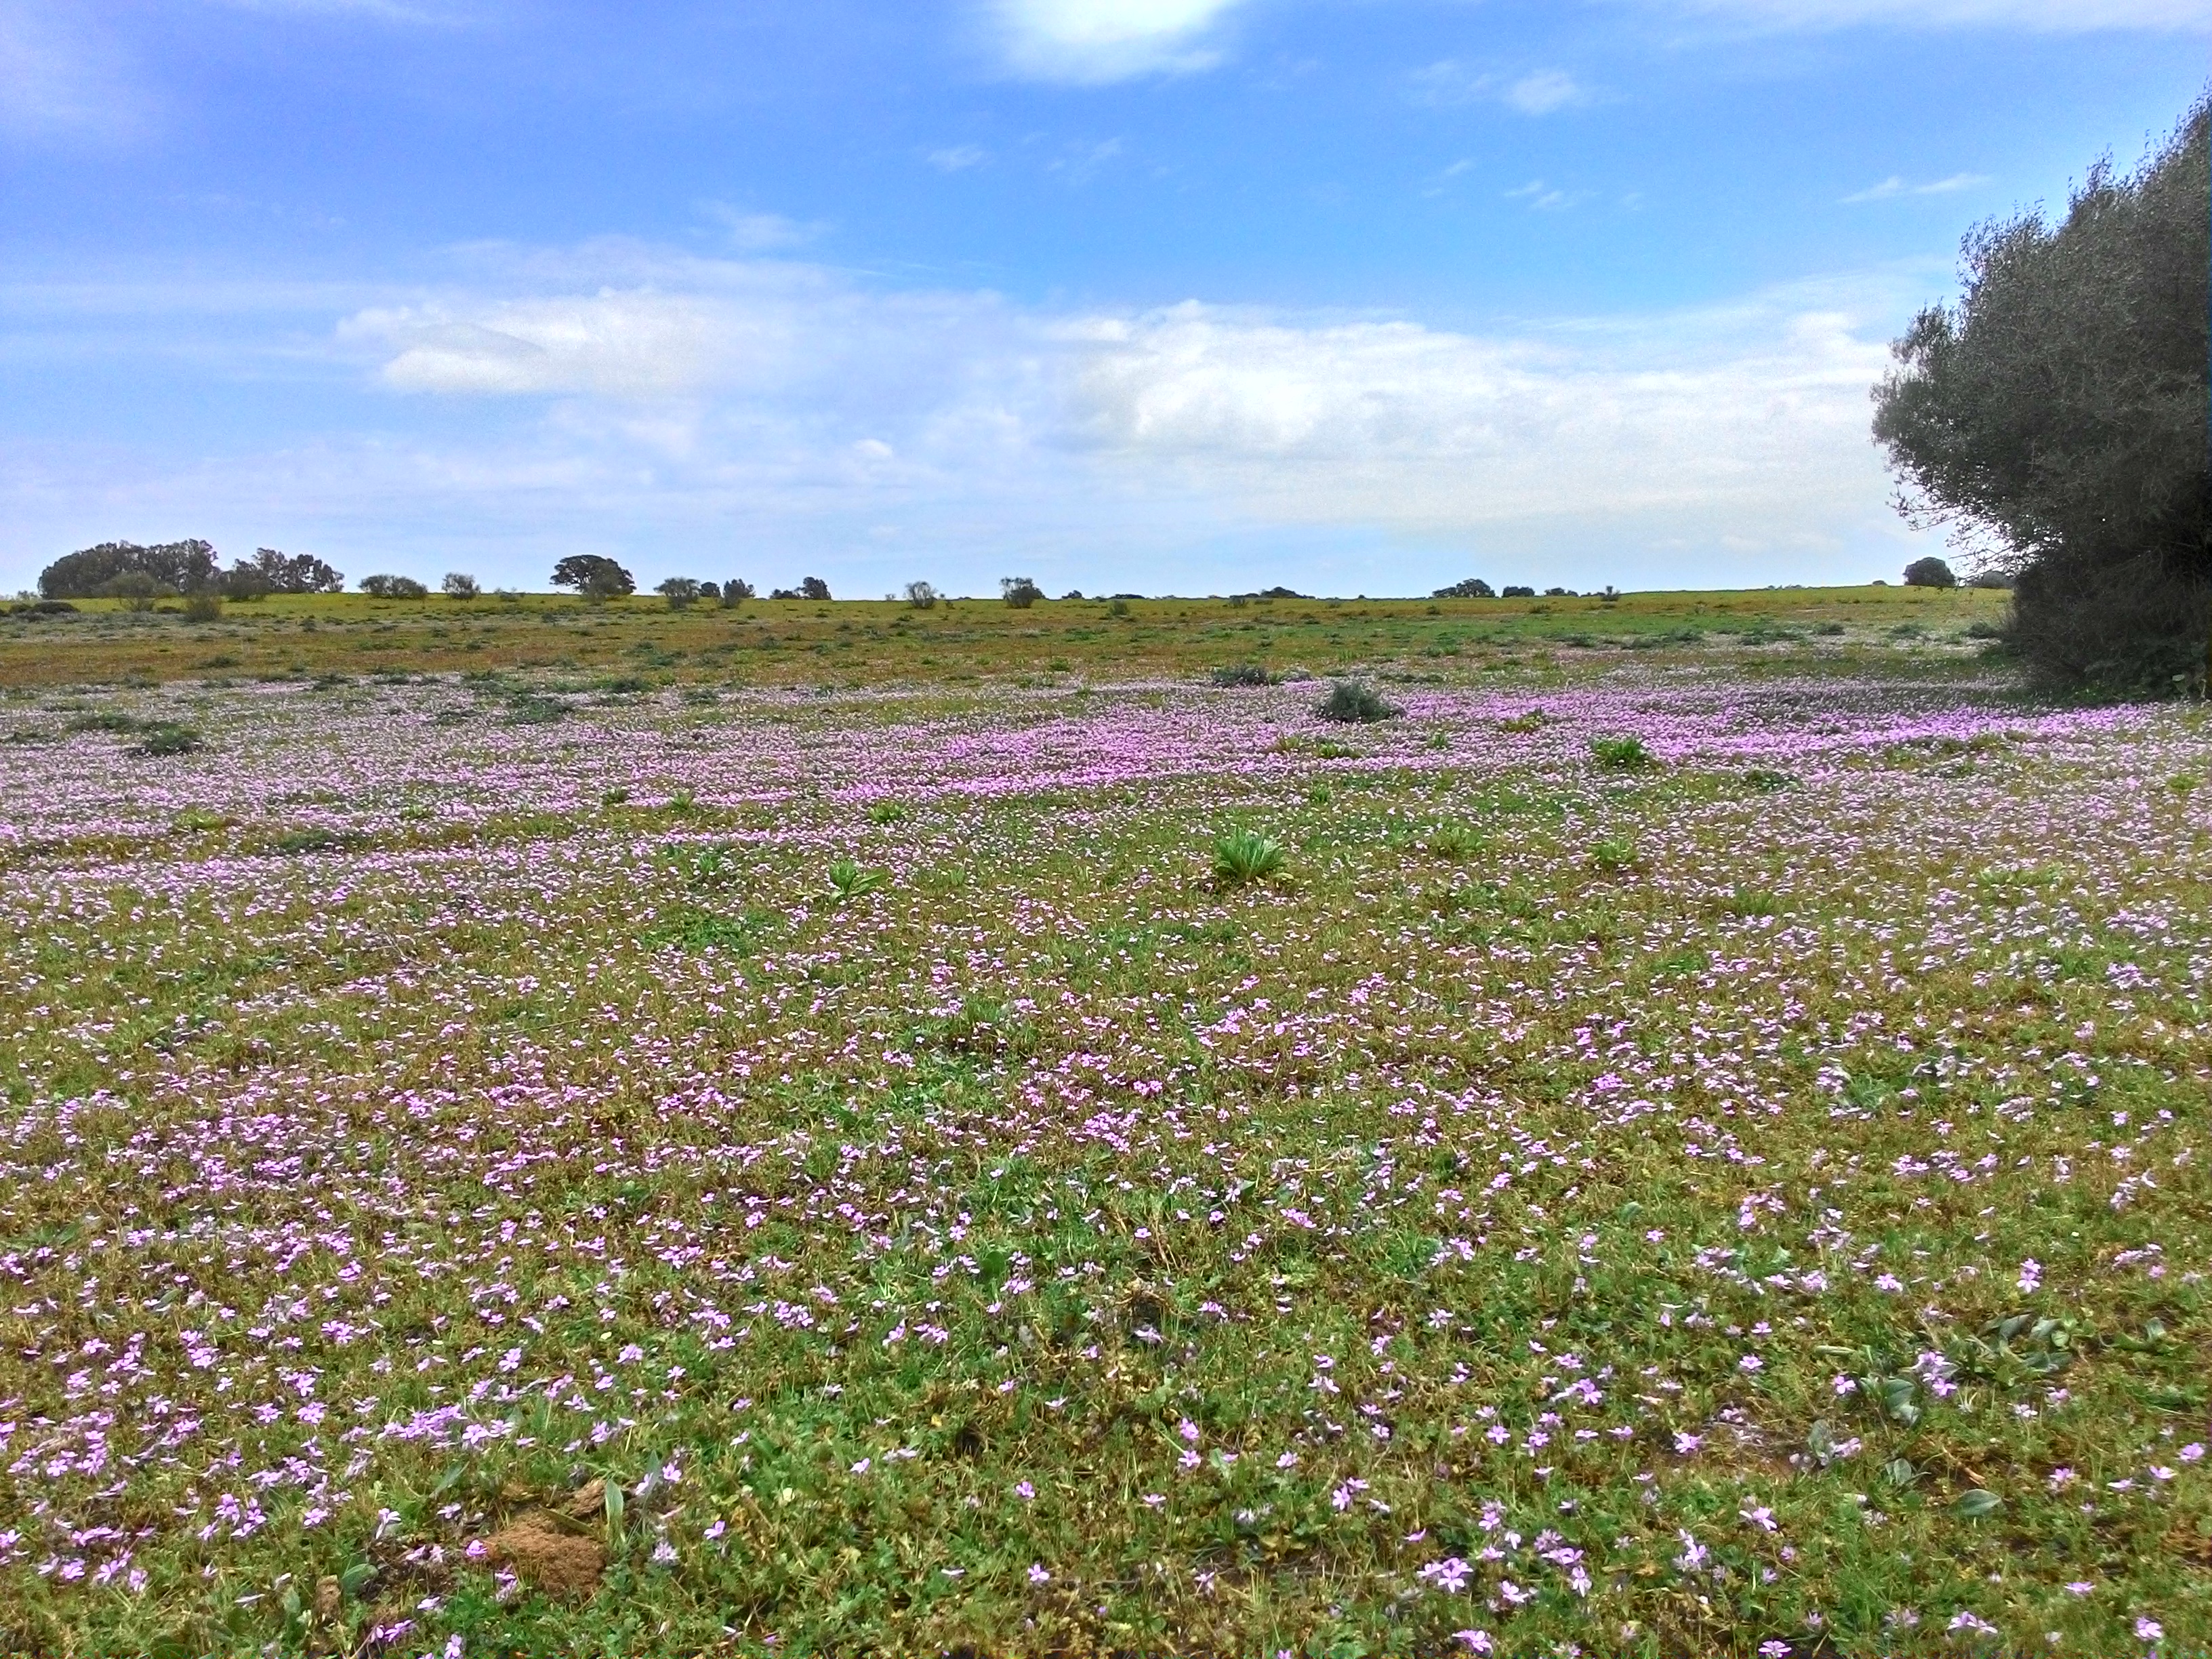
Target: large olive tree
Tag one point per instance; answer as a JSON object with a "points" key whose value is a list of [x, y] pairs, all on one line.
{"points": [[2056, 418]]}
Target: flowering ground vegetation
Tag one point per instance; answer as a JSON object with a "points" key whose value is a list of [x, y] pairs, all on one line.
{"points": [[503, 1165]]}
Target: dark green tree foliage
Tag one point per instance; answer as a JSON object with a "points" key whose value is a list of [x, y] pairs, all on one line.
{"points": [[680, 591], [594, 575], [270, 572], [1473, 588], [177, 566], [2056, 418], [1930, 572]]}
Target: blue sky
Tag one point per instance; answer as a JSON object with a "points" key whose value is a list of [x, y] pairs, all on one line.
{"points": [[1188, 295]]}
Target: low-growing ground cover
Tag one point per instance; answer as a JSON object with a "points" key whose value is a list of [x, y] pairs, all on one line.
{"points": [[491, 1168]]}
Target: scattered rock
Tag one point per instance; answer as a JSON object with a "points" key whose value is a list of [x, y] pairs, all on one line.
{"points": [[547, 1558]]}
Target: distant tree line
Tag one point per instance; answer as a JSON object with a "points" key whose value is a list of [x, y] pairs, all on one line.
{"points": [[2054, 418], [127, 570], [1475, 588]]}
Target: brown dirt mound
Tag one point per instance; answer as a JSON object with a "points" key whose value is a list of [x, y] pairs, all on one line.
{"points": [[547, 1558]]}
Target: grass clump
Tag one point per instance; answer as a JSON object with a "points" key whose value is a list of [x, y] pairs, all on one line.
{"points": [[705, 930], [1452, 842], [1622, 754], [1244, 856]]}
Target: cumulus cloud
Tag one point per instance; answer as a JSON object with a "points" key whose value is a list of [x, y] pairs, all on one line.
{"points": [[611, 344], [1752, 421], [620, 395], [1098, 40]]}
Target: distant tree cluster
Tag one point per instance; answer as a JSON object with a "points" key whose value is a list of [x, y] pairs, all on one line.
{"points": [[94, 573], [271, 571], [2054, 419], [811, 587], [1930, 572], [127, 570], [1475, 588], [394, 587]]}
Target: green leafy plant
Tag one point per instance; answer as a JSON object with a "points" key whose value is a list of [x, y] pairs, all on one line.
{"points": [[848, 881], [701, 930], [1622, 754], [1452, 842], [1612, 853], [1244, 856]]}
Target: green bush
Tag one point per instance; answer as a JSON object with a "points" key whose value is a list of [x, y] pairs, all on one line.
{"points": [[1622, 754], [169, 738], [1241, 673], [1354, 702]]}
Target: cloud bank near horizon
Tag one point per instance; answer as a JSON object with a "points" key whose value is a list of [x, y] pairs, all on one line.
{"points": [[649, 410]]}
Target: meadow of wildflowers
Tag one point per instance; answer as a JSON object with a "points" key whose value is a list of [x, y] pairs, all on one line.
{"points": [[488, 1170]]}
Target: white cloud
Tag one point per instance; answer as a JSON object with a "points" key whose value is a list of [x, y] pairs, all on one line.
{"points": [[1894, 187], [958, 158], [611, 344], [1538, 92], [2054, 17], [1547, 198], [759, 232], [1749, 423], [621, 397], [1099, 40], [1545, 91]]}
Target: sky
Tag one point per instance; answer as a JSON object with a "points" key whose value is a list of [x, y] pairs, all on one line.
{"points": [[1359, 297]]}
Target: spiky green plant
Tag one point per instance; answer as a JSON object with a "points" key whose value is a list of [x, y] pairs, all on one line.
{"points": [[1244, 856]]}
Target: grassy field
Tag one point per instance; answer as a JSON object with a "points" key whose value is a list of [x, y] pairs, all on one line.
{"points": [[536, 1130], [860, 644]]}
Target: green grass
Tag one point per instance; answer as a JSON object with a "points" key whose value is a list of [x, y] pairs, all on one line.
{"points": [[1757, 1199]]}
